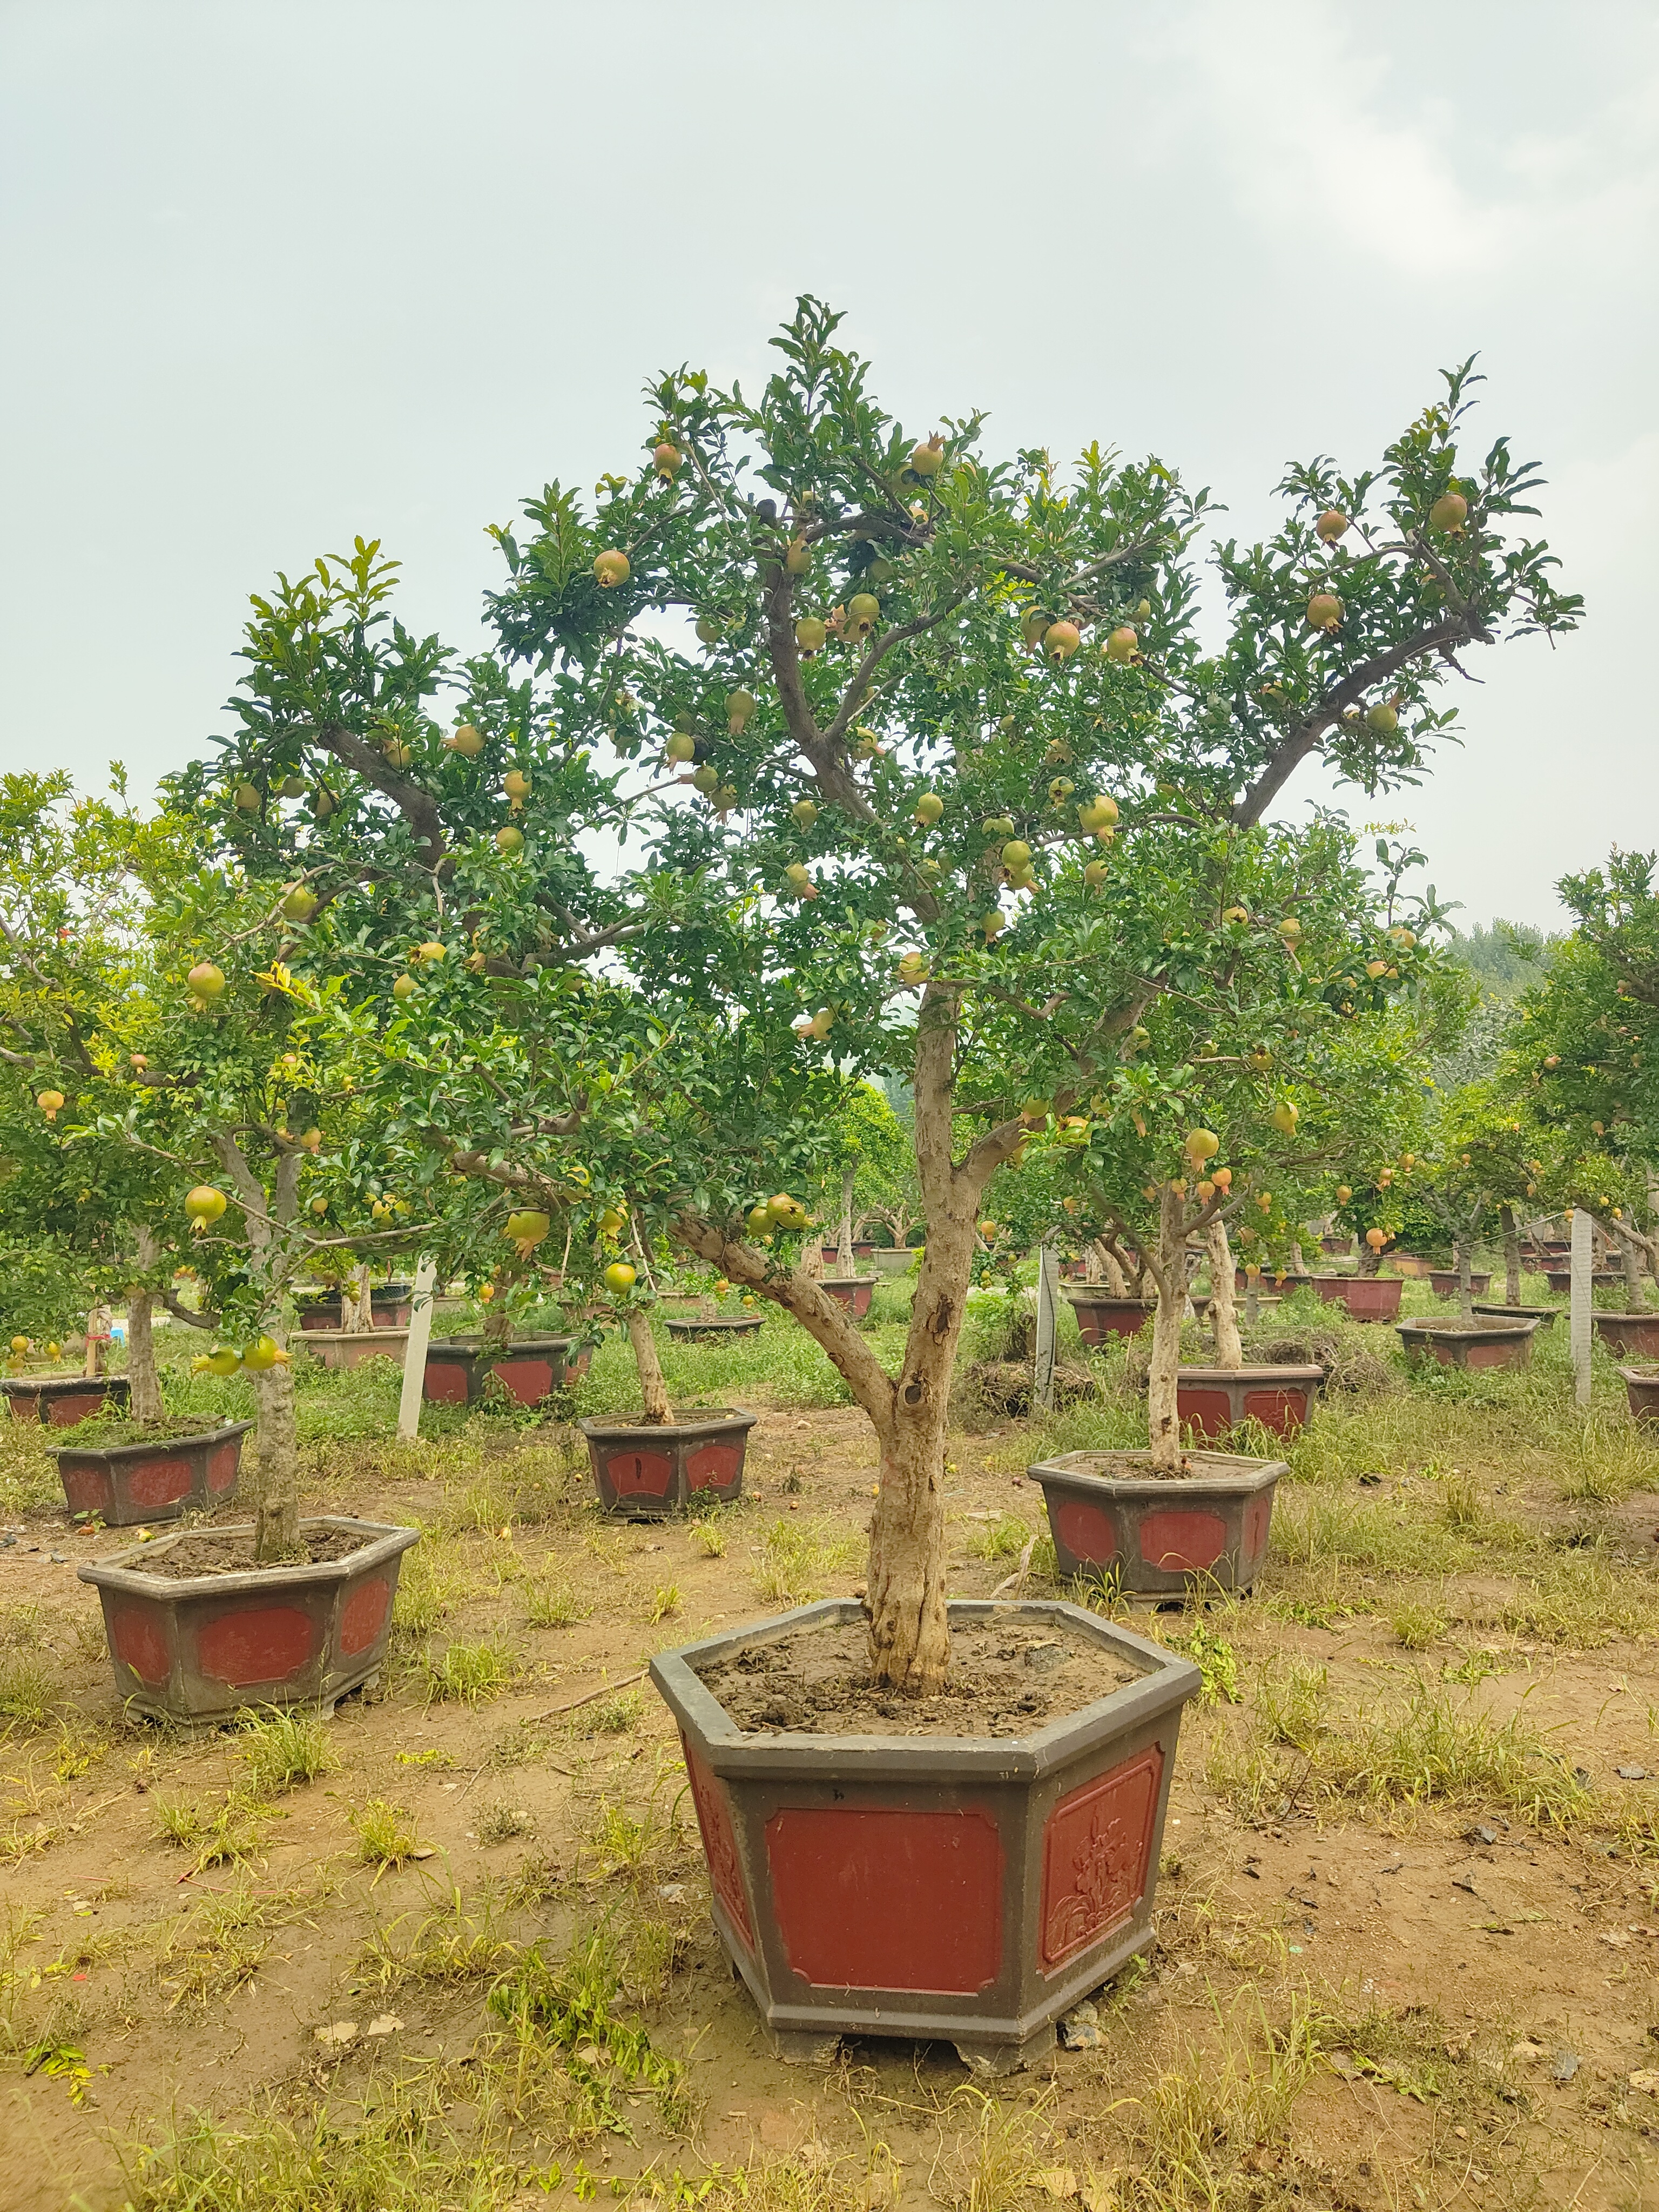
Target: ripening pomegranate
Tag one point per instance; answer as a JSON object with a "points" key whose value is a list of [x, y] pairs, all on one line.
{"points": [[1097, 813], [739, 706], [509, 838], [612, 568], [926, 459], [206, 980], [1324, 611], [667, 457], [1331, 525], [929, 807], [801, 881], [863, 612], [247, 798], [516, 784], [1122, 645], [397, 753], [810, 631], [1450, 511], [1061, 640], [1383, 720], [709, 628], [797, 557], [300, 903], [1035, 625], [1376, 1238], [681, 747], [1016, 855], [464, 741]]}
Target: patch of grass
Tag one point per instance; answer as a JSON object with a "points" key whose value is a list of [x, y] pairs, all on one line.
{"points": [[282, 1748], [796, 1559], [611, 1715], [386, 1837], [664, 1602], [215, 1835], [1208, 2113], [553, 1604], [570, 2006], [450, 1944], [1289, 1701], [1005, 1538], [499, 1823], [1579, 1600], [1417, 1626], [219, 1943], [430, 1584], [1435, 1751], [29, 1688], [709, 1537], [467, 1673], [1213, 1656]]}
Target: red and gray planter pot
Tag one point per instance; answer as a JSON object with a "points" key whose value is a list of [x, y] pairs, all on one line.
{"points": [[1544, 1315], [198, 1648], [60, 1401], [1560, 1280], [529, 1368], [390, 1307], [1153, 1535], [852, 1291], [1628, 1336], [123, 1484], [1101, 1317], [1368, 1297], [1338, 1248], [713, 1328], [1213, 1401], [642, 1473], [1642, 1395], [338, 1348], [1285, 1285], [1412, 1265], [1466, 1344], [1442, 1281], [966, 1890]]}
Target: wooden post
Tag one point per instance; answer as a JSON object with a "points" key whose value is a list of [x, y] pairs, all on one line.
{"points": [[1579, 1323], [420, 1335], [1047, 1290]]}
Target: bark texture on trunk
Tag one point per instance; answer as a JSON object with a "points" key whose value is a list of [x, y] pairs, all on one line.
{"points": [[146, 1383], [1465, 1291], [1299, 1265], [1512, 1256], [654, 1390], [1162, 1381], [1367, 1262], [1635, 1289], [498, 1323], [1224, 1308], [844, 1237], [357, 1303], [277, 1461]]}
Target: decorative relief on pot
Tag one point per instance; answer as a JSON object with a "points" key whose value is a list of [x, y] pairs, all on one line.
{"points": [[719, 1846], [640, 1474], [1097, 1849], [1182, 1542], [711, 1466]]}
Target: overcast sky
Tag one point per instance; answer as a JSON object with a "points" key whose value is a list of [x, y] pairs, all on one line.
{"points": [[272, 274]]}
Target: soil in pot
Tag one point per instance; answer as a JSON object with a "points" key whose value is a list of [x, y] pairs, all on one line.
{"points": [[209, 1551], [109, 1432], [1005, 1680]]}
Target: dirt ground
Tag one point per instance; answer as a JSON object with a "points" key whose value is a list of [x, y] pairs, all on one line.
{"points": [[1354, 2000]]}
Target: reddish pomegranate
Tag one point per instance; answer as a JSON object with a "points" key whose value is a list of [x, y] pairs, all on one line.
{"points": [[1331, 524]]}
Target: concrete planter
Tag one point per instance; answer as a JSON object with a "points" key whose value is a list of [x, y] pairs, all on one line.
{"points": [[1544, 1315], [1152, 1535], [1642, 1395], [1101, 1317], [1412, 1265], [852, 1291], [890, 1259], [1468, 1344], [1339, 1248], [1628, 1336], [1442, 1281], [1560, 1280], [713, 1328], [1368, 1297], [528, 1369], [337, 1348], [199, 1650], [60, 1401], [1284, 1283], [642, 1473], [318, 1308], [1212, 1401], [156, 1481], [964, 1889]]}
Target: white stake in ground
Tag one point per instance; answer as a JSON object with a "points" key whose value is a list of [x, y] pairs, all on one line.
{"points": [[420, 1335]]}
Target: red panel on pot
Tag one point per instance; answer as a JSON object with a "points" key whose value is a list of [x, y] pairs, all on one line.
{"points": [[364, 1615], [1258, 1518], [1087, 1531], [1210, 1411], [1183, 1542], [1490, 1355], [160, 1481], [221, 1465], [446, 1382], [267, 1643], [137, 1638], [528, 1381], [87, 1486], [714, 1466], [640, 1474], [64, 1413], [714, 1820], [1281, 1411], [1096, 1848], [880, 1899]]}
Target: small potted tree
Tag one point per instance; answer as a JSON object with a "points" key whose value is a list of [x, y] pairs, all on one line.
{"points": [[1478, 1152]]}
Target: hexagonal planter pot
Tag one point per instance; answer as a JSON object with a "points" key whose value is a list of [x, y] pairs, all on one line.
{"points": [[153, 1481], [852, 1291], [1368, 1297], [1628, 1336], [60, 1401], [529, 1368], [1339, 1248], [1560, 1280], [1412, 1265], [1100, 1317], [1456, 1343], [318, 1309], [642, 1472], [893, 1259], [1152, 1533], [197, 1648], [1442, 1281], [1544, 1315], [338, 1348], [713, 1328], [1642, 1395], [1283, 1284], [967, 1889], [1212, 1401]]}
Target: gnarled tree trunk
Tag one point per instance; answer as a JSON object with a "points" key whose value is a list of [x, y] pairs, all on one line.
{"points": [[1223, 1309], [275, 1460], [654, 1390], [844, 1234], [1162, 1381], [144, 1383], [356, 1303]]}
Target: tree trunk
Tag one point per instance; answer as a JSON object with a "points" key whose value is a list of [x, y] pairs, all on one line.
{"points": [[1465, 1291], [1299, 1265], [653, 1391], [498, 1323], [1367, 1262], [357, 1304], [276, 1461], [844, 1239], [1635, 1293], [1223, 1309], [145, 1403], [1162, 1381], [1512, 1256]]}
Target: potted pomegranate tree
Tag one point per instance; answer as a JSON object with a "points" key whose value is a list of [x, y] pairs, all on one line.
{"points": [[947, 787], [1480, 1159]]}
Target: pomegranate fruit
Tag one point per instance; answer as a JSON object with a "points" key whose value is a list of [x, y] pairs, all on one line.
{"points": [[1450, 511], [464, 741], [927, 458], [1061, 640], [1324, 611], [206, 980], [509, 838], [612, 568], [1122, 645]]}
